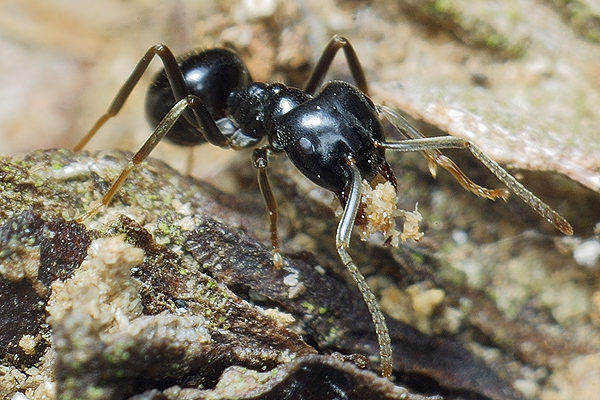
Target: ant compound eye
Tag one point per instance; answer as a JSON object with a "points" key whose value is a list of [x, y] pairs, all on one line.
{"points": [[305, 146]]}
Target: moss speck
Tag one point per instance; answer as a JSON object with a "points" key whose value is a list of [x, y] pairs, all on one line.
{"points": [[310, 308]]}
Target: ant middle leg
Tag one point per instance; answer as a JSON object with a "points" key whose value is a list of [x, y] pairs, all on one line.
{"points": [[261, 162], [358, 74]]}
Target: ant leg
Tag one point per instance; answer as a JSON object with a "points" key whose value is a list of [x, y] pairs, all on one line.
{"points": [[342, 240], [260, 159], [435, 158], [211, 132], [337, 42], [450, 142], [161, 130], [189, 160], [175, 79]]}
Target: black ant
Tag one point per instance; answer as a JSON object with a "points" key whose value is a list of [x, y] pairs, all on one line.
{"points": [[333, 136]]}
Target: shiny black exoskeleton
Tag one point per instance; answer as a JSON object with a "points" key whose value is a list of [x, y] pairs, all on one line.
{"points": [[333, 136], [211, 75], [318, 133]]}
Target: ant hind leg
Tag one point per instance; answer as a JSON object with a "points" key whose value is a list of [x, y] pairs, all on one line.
{"points": [[431, 146]]}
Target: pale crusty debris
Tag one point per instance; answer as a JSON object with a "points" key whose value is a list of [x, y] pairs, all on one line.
{"points": [[36, 383], [28, 343], [107, 265], [380, 207], [424, 301], [410, 229]]}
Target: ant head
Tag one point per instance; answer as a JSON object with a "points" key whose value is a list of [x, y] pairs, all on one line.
{"points": [[212, 75]]}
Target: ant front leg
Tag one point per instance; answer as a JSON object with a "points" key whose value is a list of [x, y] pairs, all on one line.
{"points": [[188, 102], [210, 132], [358, 74], [434, 144], [261, 162], [173, 73], [342, 240]]}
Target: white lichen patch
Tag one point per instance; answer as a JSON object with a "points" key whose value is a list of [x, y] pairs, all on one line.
{"points": [[182, 208], [587, 253], [75, 170], [27, 269], [379, 205], [237, 381], [188, 223], [16, 264], [291, 279], [294, 284], [34, 383], [285, 319], [102, 286], [189, 330]]}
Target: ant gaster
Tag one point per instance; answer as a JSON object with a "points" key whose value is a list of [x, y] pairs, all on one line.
{"points": [[333, 136]]}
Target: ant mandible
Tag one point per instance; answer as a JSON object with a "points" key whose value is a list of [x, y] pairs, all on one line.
{"points": [[333, 136]]}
